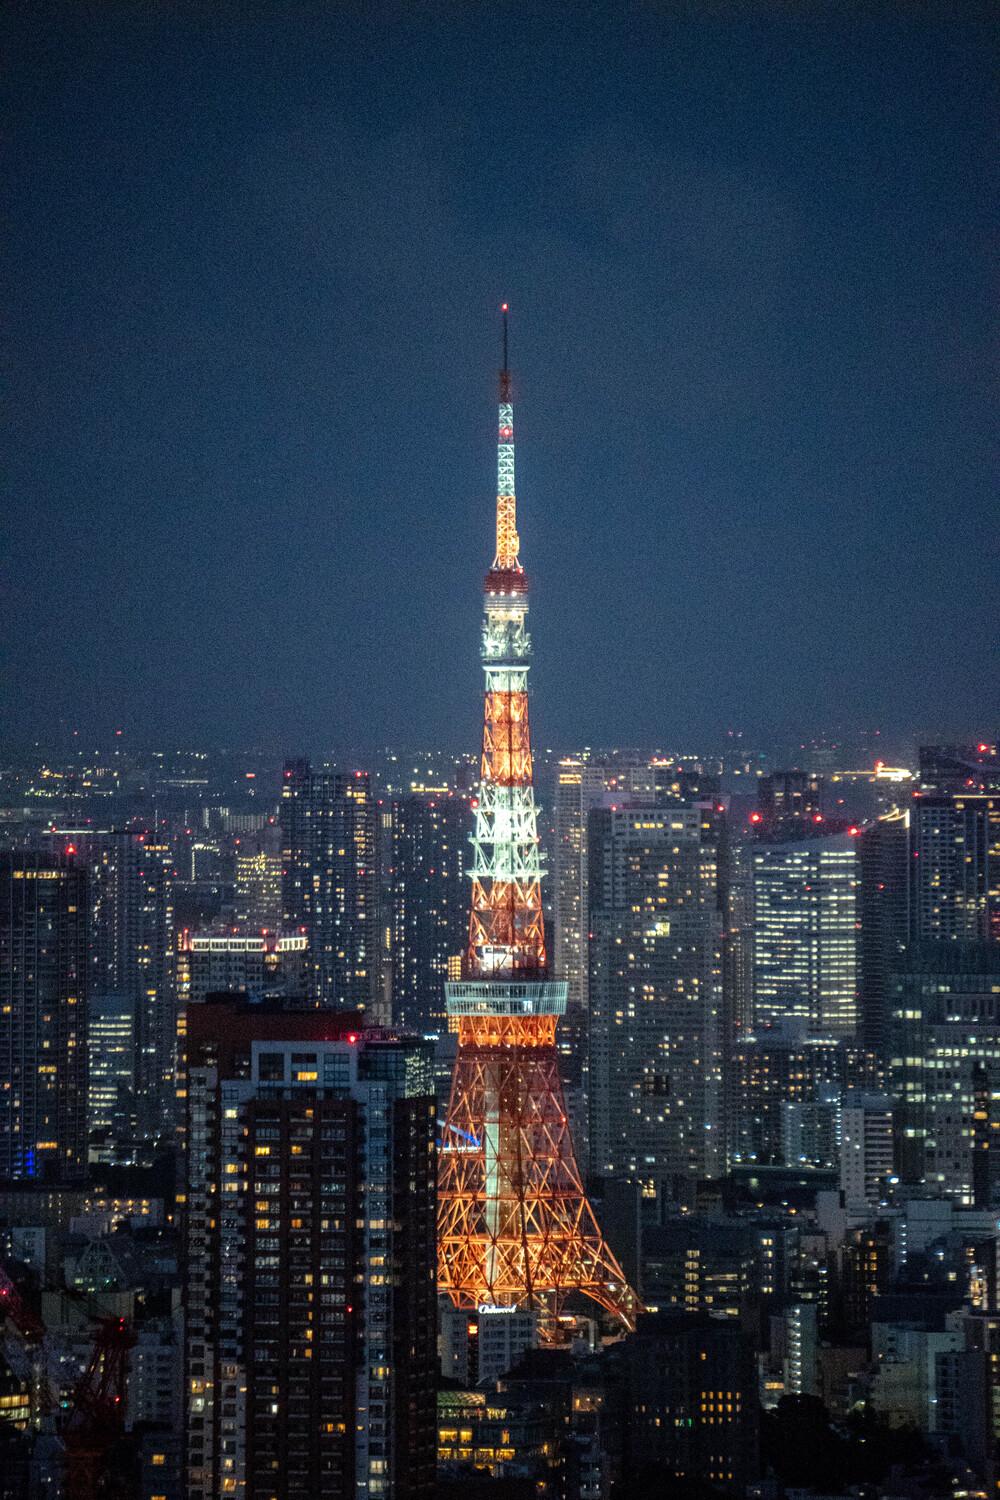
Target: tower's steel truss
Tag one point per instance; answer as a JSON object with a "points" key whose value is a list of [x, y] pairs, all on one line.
{"points": [[514, 1224]]}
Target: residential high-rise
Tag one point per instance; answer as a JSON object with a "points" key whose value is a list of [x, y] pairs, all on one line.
{"points": [[429, 902], [805, 934], [515, 1228], [258, 963], [656, 1024], [883, 915], [955, 867], [866, 1150], [330, 881], [309, 1226], [43, 1017], [257, 896]]}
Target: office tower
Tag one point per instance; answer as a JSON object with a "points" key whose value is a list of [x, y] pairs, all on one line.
{"points": [[805, 934], [310, 1321], [866, 1150], [111, 1100], [789, 804], [691, 1406], [330, 880], [945, 1062], [132, 957], [429, 901], [579, 787], [43, 1017], [258, 963], [883, 914], [955, 867], [656, 1032], [514, 1225]]}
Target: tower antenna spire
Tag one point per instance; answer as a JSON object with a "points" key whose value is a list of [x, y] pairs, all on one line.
{"points": [[506, 559], [505, 372]]}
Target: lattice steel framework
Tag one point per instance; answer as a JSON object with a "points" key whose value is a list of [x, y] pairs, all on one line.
{"points": [[514, 1224]]}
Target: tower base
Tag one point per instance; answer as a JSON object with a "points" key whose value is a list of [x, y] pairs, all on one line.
{"points": [[515, 1228]]}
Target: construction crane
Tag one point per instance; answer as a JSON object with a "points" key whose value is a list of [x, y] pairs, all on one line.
{"points": [[95, 1420]]}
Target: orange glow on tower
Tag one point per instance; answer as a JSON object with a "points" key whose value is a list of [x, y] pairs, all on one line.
{"points": [[515, 1228]]}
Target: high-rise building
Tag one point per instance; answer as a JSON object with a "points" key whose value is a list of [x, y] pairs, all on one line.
{"points": [[515, 1228], [656, 1026], [790, 804], [429, 902], [805, 934], [945, 1063], [257, 897], [330, 881], [132, 957], [883, 914], [111, 1107], [788, 1085], [955, 867], [579, 787], [309, 1223], [43, 1017], [257, 963]]}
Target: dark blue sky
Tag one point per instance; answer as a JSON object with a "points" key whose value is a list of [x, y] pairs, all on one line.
{"points": [[254, 254]]}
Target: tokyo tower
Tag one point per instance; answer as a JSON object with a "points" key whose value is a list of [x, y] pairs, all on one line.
{"points": [[515, 1228]]}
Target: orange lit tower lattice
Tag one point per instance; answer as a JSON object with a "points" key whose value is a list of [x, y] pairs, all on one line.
{"points": [[515, 1228]]}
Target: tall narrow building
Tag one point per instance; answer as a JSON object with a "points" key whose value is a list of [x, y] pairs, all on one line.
{"points": [[330, 881], [428, 894], [515, 1228], [657, 1108], [883, 916], [132, 968], [579, 787], [311, 1332], [43, 1017]]}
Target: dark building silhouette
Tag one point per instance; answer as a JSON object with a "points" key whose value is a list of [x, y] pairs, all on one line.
{"points": [[330, 881], [883, 914], [691, 1403], [429, 900], [789, 804], [310, 1235], [43, 1017]]}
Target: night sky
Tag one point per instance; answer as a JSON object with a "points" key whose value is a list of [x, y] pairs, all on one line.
{"points": [[254, 255]]}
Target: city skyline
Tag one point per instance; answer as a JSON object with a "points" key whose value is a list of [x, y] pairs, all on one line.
{"points": [[248, 393]]}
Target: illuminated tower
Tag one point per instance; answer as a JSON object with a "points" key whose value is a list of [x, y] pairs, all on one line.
{"points": [[515, 1228]]}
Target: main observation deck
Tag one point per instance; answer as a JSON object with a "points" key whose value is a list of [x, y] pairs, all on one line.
{"points": [[506, 997]]}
